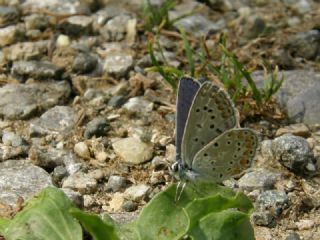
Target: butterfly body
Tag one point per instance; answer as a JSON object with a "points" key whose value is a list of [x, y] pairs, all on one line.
{"points": [[211, 146]]}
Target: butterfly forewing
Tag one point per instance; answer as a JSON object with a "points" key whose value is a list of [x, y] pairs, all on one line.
{"points": [[186, 93], [227, 155], [211, 114]]}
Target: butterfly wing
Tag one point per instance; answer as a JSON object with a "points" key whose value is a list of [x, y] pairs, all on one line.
{"points": [[211, 113], [227, 155], [186, 93]]}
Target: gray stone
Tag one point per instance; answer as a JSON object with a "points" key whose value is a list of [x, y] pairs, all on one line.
{"points": [[305, 44], [80, 182], [84, 63], [138, 105], [8, 15], [262, 218], [116, 101], [115, 183], [98, 127], [20, 101], [36, 21], [19, 178], [199, 25], [77, 25], [59, 173], [293, 236], [298, 129], [11, 34], [12, 139], [59, 119], [166, 57], [47, 156], [116, 28], [57, 6], [36, 69], [293, 95], [132, 150], [158, 163], [82, 150], [137, 192], [261, 179], [9, 152], [253, 26], [273, 199], [294, 153], [129, 206], [26, 50], [118, 64], [305, 106]]}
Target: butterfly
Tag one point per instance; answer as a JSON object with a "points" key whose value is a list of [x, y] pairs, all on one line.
{"points": [[210, 145]]}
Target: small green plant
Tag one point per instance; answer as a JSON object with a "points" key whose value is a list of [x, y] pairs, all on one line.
{"points": [[157, 16], [214, 213], [229, 70]]}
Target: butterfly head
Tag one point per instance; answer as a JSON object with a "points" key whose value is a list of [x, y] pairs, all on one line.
{"points": [[175, 170]]}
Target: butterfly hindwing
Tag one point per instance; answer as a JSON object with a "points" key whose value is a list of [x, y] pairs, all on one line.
{"points": [[227, 155], [186, 92], [211, 113]]}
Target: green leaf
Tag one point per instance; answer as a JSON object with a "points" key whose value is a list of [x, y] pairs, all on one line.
{"points": [[225, 225], [97, 228], [45, 217]]}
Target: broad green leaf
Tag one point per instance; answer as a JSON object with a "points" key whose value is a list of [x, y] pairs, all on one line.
{"points": [[225, 225], [96, 227], [45, 217]]}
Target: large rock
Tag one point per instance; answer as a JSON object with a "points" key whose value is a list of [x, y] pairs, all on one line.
{"points": [[20, 101], [19, 178]]}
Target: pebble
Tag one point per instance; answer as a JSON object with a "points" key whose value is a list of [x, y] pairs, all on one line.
{"points": [[273, 199], [75, 25], [26, 50], [298, 129], [80, 182], [305, 224], [63, 40], [20, 101], [8, 15], [98, 127], [158, 163], [59, 119], [199, 25], [12, 139], [82, 150], [138, 105], [59, 173], [137, 192], [129, 206], [84, 63], [116, 101], [294, 153], [36, 21], [116, 28], [133, 151], [47, 156], [260, 179], [263, 218], [116, 202], [11, 34], [115, 183], [118, 64], [36, 69], [293, 236], [20, 178]]}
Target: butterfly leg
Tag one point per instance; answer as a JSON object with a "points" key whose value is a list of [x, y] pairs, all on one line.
{"points": [[179, 190]]}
